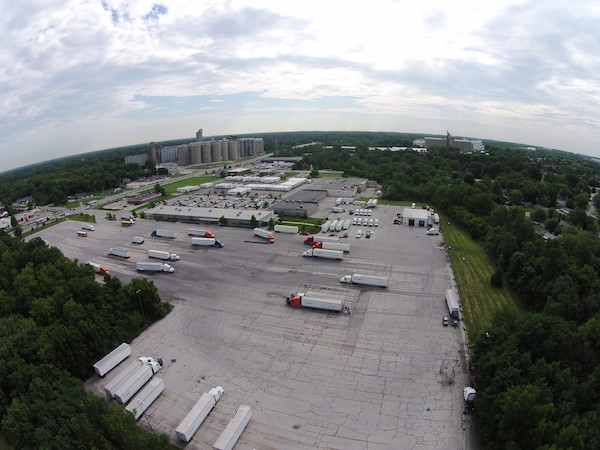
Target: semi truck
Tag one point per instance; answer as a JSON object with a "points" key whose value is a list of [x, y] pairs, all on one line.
{"points": [[332, 246], [160, 254], [200, 233], [121, 253], [365, 280], [135, 382], [99, 269], [164, 234], [207, 242], [153, 267], [315, 301], [192, 421], [112, 360], [264, 234], [320, 237], [286, 229], [146, 396], [324, 253], [453, 306]]}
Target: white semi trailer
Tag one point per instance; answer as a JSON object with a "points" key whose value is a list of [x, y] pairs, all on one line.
{"points": [[365, 280], [192, 421], [160, 254], [135, 382], [142, 401], [112, 360], [153, 267], [323, 253]]}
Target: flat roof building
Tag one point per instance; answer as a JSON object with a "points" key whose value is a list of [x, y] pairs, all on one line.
{"points": [[233, 216]]}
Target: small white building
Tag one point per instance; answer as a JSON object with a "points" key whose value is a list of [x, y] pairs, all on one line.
{"points": [[415, 217]]}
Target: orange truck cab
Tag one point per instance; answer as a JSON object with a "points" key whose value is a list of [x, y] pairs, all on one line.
{"points": [[295, 301], [318, 244]]}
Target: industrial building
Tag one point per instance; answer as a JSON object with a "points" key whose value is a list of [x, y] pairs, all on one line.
{"points": [[300, 204], [340, 187], [416, 217], [196, 215], [464, 145], [144, 198]]}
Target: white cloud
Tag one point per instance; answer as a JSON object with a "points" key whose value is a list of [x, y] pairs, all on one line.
{"points": [[86, 74]]}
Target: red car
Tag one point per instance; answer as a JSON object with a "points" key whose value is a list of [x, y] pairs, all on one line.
{"points": [[445, 321], [305, 233]]}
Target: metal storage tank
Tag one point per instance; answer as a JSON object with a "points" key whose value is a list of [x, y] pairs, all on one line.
{"points": [[224, 152], [183, 155], [259, 146], [215, 151], [206, 156], [194, 149], [233, 150]]}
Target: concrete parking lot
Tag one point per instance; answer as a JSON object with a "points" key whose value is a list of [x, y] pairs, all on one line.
{"points": [[389, 375]]}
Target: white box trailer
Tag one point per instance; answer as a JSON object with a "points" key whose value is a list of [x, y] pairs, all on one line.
{"points": [[145, 397], [365, 280], [120, 252], [192, 421], [135, 382], [315, 301], [160, 254], [164, 233], [325, 226], [324, 238], [333, 225], [127, 371], [153, 267], [453, 304], [335, 246], [234, 429], [112, 360], [200, 233], [347, 224], [323, 253], [286, 229]]}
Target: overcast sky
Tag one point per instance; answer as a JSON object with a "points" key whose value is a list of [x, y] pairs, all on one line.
{"points": [[82, 75]]}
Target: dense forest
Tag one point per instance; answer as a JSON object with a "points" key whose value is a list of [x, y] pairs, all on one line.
{"points": [[56, 321], [538, 375]]}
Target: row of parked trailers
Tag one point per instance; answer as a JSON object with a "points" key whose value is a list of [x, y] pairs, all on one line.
{"points": [[136, 381], [336, 225]]}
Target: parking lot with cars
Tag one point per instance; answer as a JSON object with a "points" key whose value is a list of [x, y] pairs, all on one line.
{"points": [[388, 375]]}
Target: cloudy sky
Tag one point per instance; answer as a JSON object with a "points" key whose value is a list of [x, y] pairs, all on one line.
{"points": [[82, 75]]}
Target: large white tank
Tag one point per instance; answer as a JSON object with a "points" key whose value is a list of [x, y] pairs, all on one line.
{"points": [[206, 155], [215, 151]]}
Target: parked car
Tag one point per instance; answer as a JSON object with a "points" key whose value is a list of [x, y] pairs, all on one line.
{"points": [[445, 321]]}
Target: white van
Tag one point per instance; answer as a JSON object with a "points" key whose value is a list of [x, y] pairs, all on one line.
{"points": [[88, 226], [137, 240]]}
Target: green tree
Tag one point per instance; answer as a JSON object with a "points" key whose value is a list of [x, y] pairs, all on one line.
{"points": [[253, 221]]}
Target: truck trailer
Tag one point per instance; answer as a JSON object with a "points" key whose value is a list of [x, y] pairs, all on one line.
{"points": [[145, 397], [200, 233], [332, 246], [164, 234], [192, 421], [112, 360], [120, 378], [286, 229], [264, 234], [99, 269], [453, 306], [160, 254], [234, 429], [320, 237], [315, 301], [153, 267], [206, 242], [135, 382], [120, 252], [323, 253], [365, 280]]}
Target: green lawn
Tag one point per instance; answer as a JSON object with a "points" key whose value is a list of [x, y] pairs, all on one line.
{"points": [[472, 270], [330, 175], [171, 188]]}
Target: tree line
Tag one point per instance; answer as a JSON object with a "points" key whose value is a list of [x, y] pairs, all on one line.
{"points": [[56, 321]]}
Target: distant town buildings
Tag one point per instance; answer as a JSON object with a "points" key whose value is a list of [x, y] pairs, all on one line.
{"points": [[464, 145]]}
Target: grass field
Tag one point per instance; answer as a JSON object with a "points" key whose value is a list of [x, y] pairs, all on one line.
{"points": [[473, 269], [330, 175], [171, 188]]}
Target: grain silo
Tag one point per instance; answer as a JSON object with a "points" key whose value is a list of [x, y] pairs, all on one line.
{"points": [[183, 155], [195, 155], [206, 156], [224, 153], [233, 150], [215, 151]]}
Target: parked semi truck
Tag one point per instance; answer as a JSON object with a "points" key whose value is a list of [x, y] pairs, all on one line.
{"points": [[365, 280], [121, 253], [113, 385], [200, 233], [145, 397], [135, 382], [264, 234], [192, 421], [153, 267], [453, 306], [99, 269], [114, 358], [315, 301], [286, 229], [332, 246], [160, 254], [324, 253], [207, 242], [322, 238], [164, 233]]}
